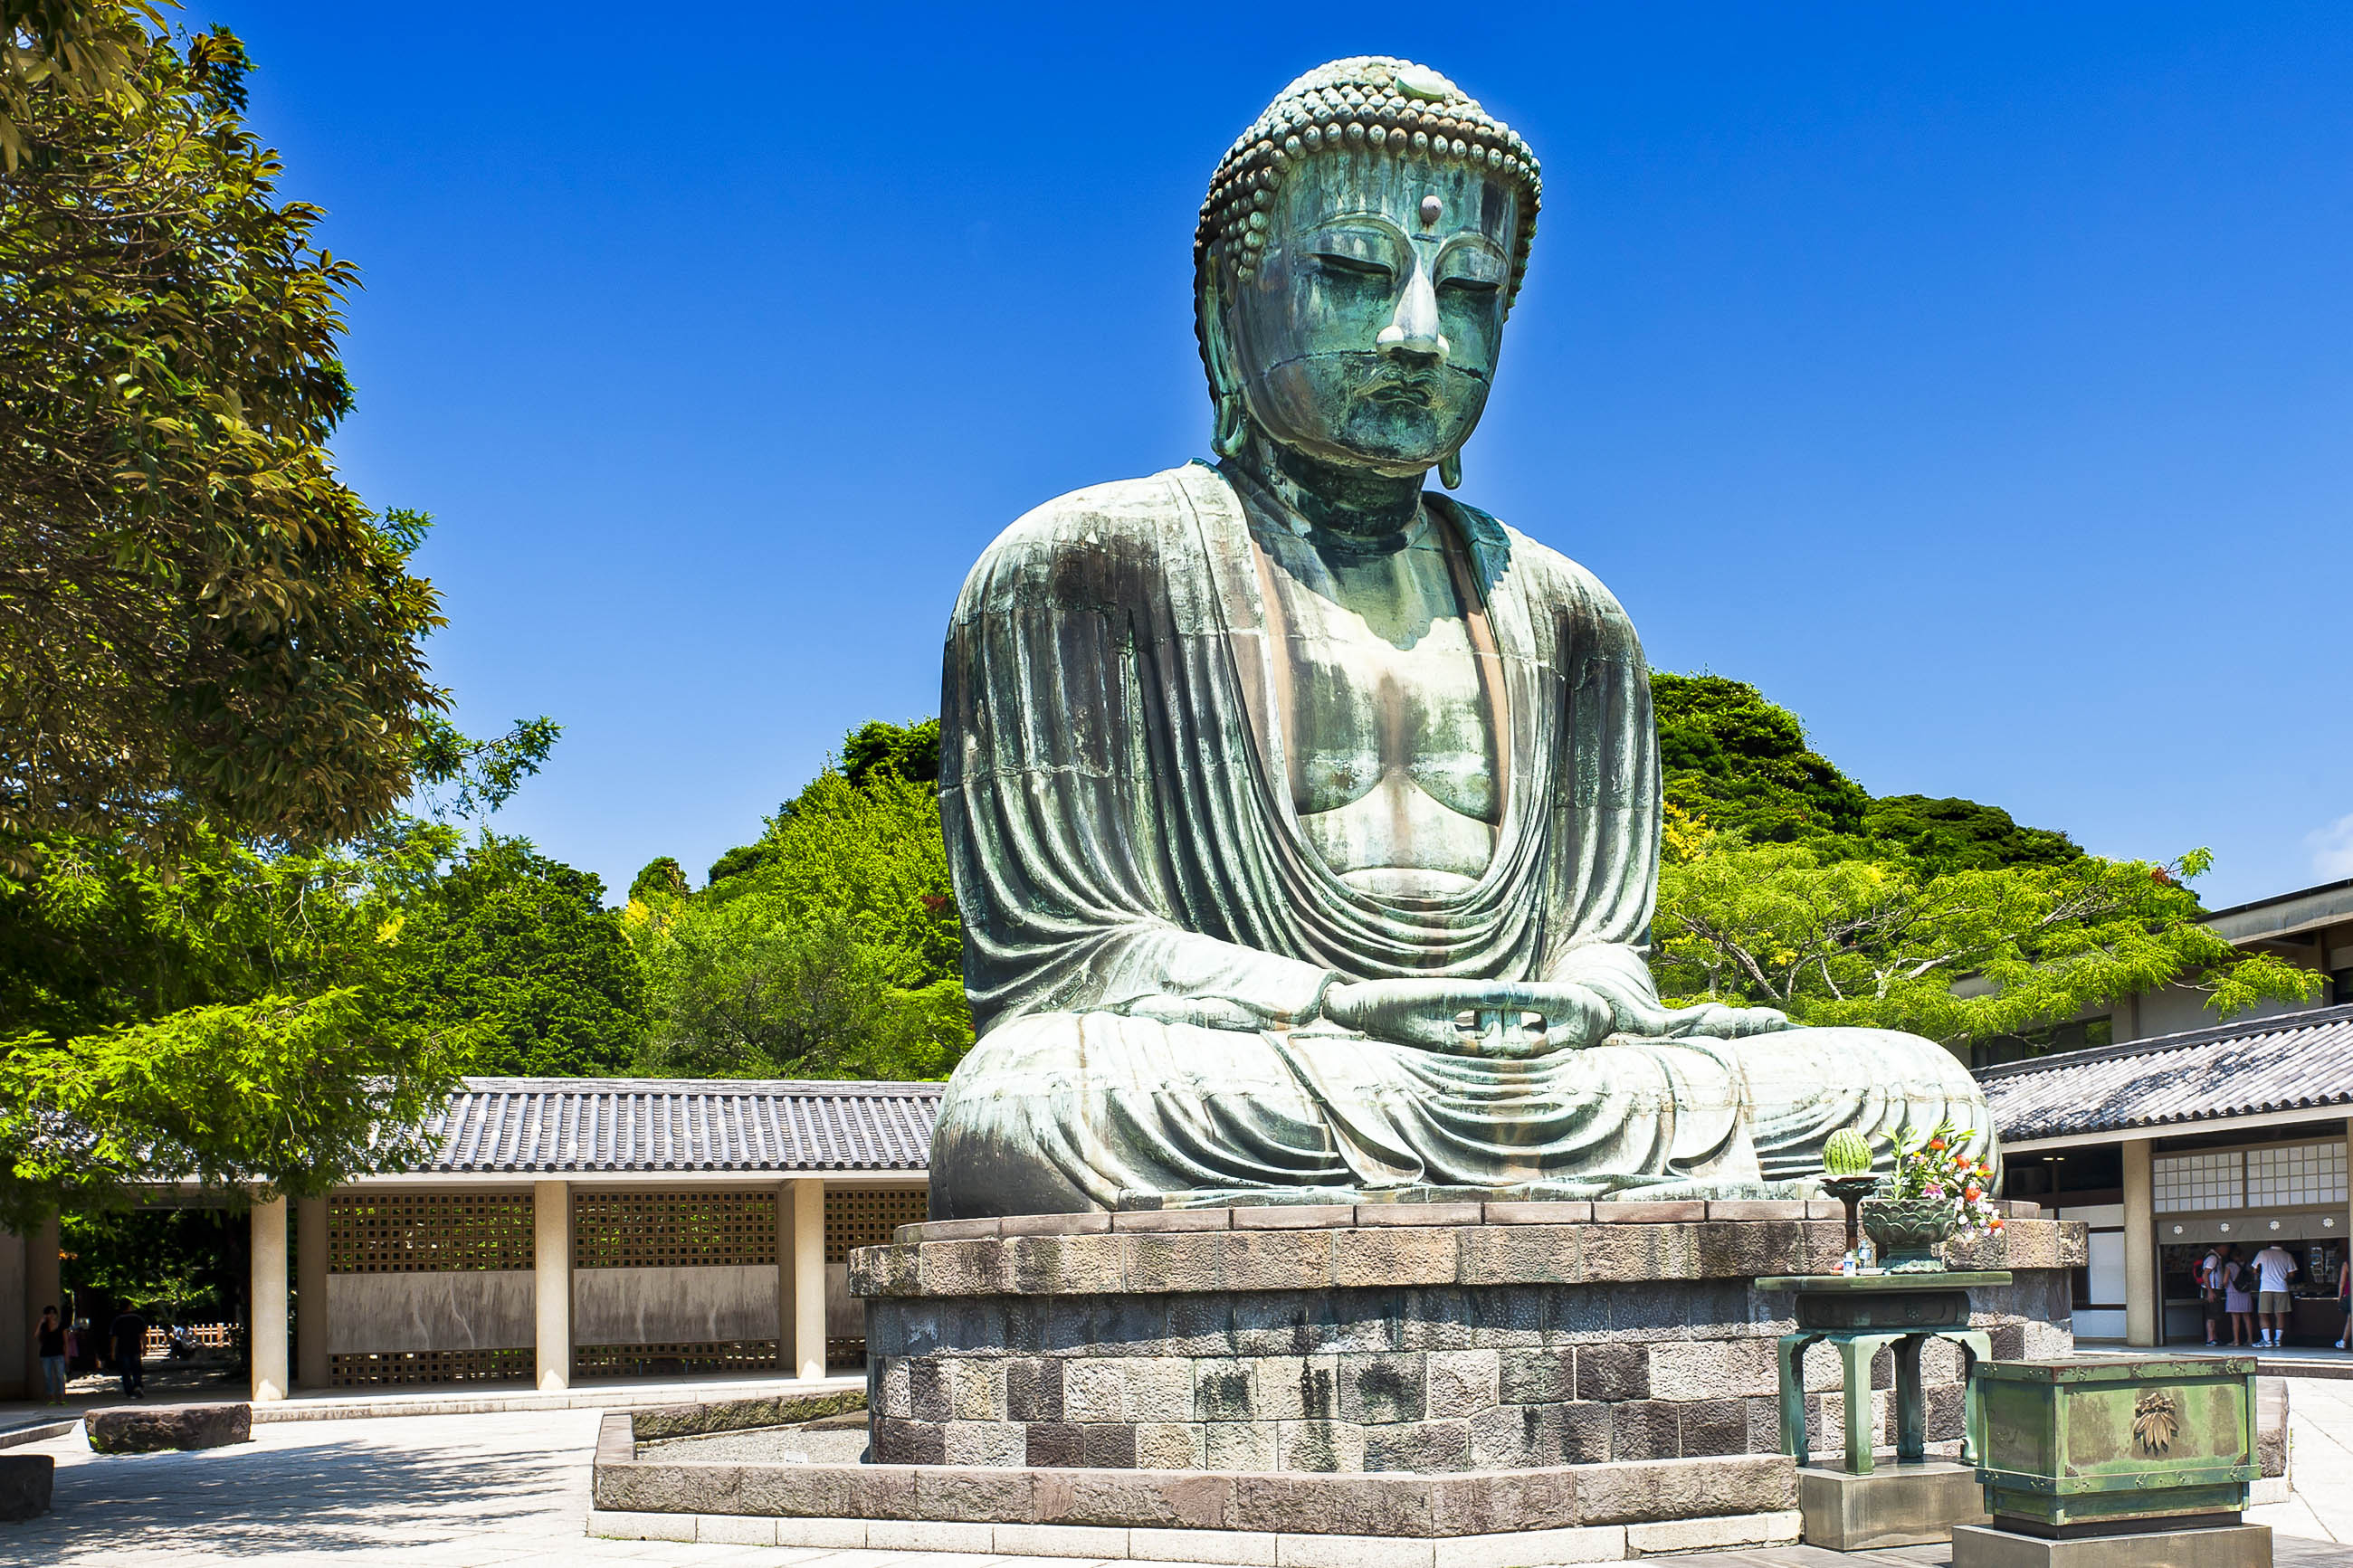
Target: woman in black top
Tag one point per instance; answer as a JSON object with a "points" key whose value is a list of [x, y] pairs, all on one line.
{"points": [[53, 1357]]}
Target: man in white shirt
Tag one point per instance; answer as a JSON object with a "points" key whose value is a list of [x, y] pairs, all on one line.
{"points": [[2274, 1269]]}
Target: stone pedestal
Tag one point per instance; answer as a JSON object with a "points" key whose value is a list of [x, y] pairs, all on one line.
{"points": [[1434, 1337], [1900, 1505], [2228, 1546]]}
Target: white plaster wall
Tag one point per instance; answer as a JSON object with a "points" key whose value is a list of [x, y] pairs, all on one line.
{"points": [[479, 1309], [673, 1306]]}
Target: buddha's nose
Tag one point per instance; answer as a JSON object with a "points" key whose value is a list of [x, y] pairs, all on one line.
{"points": [[1412, 332]]}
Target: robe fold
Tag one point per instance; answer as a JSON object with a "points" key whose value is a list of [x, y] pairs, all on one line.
{"points": [[1148, 933]]}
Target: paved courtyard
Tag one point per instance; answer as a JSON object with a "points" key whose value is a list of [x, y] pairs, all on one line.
{"points": [[455, 1491]]}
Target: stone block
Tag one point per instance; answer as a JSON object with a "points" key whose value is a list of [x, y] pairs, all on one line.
{"points": [[1296, 1388], [1371, 1215], [928, 1535], [884, 1270], [1277, 1259], [614, 1525], [954, 1230], [974, 1267], [1132, 1498], [735, 1530], [1107, 1446], [1295, 1216], [1235, 1445], [1063, 1265], [1095, 1390], [1742, 1249], [1319, 1446], [1518, 1318], [1895, 1505], [1717, 1532], [1096, 1541], [1537, 1214], [1523, 1255], [987, 1442], [26, 1482], [1518, 1437], [1687, 1489], [1597, 1544], [1055, 1225], [1645, 1429], [1182, 1261], [1634, 1211], [1033, 1388], [1159, 1388], [2227, 1546], [1415, 1255], [1495, 1502], [1230, 1548], [1146, 1221], [2008, 1340], [911, 1441], [1429, 1446], [975, 1389], [976, 1493], [1350, 1552], [1613, 1372], [891, 1379], [928, 1397], [1710, 1369], [822, 1534], [1461, 1383], [1536, 1377], [1169, 1445], [1757, 1208], [1638, 1252], [1380, 1388], [152, 1428], [1053, 1445], [1226, 1391], [1711, 1426]]}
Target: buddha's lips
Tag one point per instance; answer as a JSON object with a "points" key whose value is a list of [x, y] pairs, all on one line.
{"points": [[1421, 390]]}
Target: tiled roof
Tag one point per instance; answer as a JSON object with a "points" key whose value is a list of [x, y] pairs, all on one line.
{"points": [[2288, 1062], [563, 1124]]}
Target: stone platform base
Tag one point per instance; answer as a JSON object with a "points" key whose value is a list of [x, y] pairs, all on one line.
{"points": [[154, 1429], [2231, 1546], [25, 1480], [1895, 1505], [1432, 1338], [1259, 1548]]}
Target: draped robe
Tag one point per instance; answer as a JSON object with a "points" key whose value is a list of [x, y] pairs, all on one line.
{"points": [[1148, 932]]}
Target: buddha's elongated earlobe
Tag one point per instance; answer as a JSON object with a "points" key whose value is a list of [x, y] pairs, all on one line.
{"points": [[1233, 432], [1449, 469]]}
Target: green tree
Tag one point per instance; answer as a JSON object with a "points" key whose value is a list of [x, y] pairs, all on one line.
{"points": [[834, 953], [199, 623], [661, 877], [1952, 834], [1742, 763], [518, 952]]}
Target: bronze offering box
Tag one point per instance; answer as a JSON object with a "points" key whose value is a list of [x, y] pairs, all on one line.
{"points": [[2109, 1447]]}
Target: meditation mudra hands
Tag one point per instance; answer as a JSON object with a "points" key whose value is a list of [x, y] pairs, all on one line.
{"points": [[1503, 1019]]}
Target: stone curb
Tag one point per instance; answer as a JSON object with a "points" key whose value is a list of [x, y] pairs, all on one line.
{"points": [[1187, 1251], [1344, 1216], [1243, 1548], [1635, 1493]]}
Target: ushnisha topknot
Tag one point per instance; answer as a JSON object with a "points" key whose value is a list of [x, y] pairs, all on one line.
{"points": [[1368, 101]]}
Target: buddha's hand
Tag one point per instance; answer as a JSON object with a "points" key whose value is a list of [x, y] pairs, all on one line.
{"points": [[1711, 1019], [1471, 1017]]}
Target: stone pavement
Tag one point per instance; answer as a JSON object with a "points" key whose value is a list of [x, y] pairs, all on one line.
{"points": [[510, 1488]]}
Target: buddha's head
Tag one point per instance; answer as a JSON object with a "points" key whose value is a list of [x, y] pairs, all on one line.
{"points": [[1354, 261]]}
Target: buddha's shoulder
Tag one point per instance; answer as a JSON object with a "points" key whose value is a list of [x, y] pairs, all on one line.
{"points": [[1120, 525], [1536, 570]]}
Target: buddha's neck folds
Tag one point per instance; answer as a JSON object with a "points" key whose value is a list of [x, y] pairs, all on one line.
{"points": [[1355, 502]]}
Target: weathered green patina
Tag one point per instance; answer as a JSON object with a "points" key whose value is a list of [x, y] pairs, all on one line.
{"points": [[1305, 822], [2090, 1446]]}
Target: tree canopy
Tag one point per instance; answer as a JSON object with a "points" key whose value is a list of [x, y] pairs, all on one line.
{"points": [[199, 622]]}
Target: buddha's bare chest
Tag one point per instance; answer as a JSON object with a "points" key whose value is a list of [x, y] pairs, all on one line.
{"points": [[1388, 729]]}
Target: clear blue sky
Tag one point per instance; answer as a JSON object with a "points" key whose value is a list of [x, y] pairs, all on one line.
{"points": [[1975, 379]]}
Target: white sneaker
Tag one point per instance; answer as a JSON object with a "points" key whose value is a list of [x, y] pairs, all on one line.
{"points": [[2340, 1344]]}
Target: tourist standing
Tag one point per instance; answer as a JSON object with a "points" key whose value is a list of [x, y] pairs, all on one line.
{"points": [[2273, 1269], [2345, 1301], [2210, 1291], [52, 1336], [2239, 1296], [129, 1345]]}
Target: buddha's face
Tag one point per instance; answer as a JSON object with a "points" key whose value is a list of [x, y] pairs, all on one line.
{"points": [[1368, 334]]}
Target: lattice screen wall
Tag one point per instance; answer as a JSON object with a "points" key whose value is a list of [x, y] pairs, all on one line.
{"points": [[869, 1218], [673, 1230], [380, 1369], [416, 1233]]}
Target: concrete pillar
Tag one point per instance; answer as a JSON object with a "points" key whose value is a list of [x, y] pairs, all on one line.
{"points": [[311, 1328], [551, 1248], [800, 1278], [2144, 1294], [268, 1330], [42, 1288]]}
